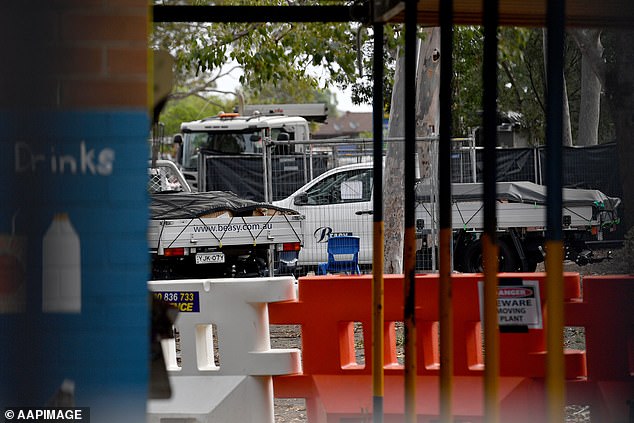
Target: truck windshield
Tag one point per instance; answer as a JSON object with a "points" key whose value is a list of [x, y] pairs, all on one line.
{"points": [[223, 142]]}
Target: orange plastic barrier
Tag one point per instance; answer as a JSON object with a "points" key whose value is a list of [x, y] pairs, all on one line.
{"points": [[336, 386], [607, 313]]}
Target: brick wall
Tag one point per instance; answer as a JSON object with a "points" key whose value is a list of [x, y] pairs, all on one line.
{"points": [[77, 53], [73, 140]]}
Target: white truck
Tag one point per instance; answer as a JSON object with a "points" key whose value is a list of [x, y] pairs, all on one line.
{"points": [[245, 135], [215, 234], [340, 202]]}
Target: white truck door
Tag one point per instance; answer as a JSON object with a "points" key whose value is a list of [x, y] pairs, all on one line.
{"points": [[335, 204]]}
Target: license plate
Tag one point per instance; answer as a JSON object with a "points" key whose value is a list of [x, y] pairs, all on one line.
{"points": [[210, 258]]}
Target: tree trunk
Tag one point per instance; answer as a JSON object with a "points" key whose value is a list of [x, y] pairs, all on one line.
{"points": [[566, 135], [393, 187], [428, 115], [589, 42], [620, 87], [566, 139], [427, 100], [428, 85]]}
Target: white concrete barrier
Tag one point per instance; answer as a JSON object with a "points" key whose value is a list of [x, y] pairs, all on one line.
{"points": [[230, 383]]}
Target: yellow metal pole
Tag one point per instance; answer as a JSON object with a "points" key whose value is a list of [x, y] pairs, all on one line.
{"points": [[446, 326], [409, 263], [409, 242], [488, 238], [555, 376], [555, 384], [378, 378], [490, 252], [445, 214]]}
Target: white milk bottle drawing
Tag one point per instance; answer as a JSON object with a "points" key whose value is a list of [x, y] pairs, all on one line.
{"points": [[61, 267]]}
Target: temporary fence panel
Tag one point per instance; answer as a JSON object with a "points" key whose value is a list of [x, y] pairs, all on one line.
{"points": [[277, 174]]}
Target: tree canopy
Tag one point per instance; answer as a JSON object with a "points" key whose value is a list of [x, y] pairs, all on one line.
{"points": [[293, 62], [308, 55]]}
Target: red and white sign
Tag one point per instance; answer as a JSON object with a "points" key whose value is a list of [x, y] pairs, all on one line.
{"points": [[518, 305]]}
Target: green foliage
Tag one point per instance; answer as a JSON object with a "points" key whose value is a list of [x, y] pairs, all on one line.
{"points": [[278, 62], [521, 79], [362, 88], [300, 91], [185, 110], [266, 53], [467, 83]]}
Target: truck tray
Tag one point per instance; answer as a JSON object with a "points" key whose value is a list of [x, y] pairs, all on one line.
{"points": [[214, 219]]}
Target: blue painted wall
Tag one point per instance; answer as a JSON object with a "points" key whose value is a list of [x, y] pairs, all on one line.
{"points": [[92, 166]]}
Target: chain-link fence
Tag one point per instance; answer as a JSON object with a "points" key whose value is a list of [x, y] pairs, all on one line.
{"points": [[162, 179]]}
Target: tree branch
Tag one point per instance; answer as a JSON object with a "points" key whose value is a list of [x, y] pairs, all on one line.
{"points": [[589, 43], [534, 87], [510, 76]]}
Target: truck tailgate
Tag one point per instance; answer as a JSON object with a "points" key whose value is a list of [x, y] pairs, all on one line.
{"points": [[224, 231]]}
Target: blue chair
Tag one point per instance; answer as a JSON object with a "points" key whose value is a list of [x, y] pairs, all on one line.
{"points": [[343, 256]]}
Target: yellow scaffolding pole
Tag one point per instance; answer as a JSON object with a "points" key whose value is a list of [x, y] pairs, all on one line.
{"points": [[491, 330], [446, 326], [378, 378], [488, 238], [409, 245], [555, 373], [445, 212], [555, 376]]}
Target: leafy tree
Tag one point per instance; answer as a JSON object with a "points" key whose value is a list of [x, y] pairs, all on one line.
{"points": [[362, 87], [266, 53], [187, 109], [290, 92]]}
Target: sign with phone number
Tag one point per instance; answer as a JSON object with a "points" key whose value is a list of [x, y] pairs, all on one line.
{"points": [[184, 301]]}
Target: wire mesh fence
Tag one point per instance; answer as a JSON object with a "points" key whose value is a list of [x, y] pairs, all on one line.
{"points": [[296, 175]]}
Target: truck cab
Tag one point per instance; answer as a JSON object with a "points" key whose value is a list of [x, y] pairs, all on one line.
{"points": [[234, 133]]}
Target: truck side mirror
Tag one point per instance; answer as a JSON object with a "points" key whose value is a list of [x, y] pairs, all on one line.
{"points": [[301, 199], [283, 136], [178, 143]]}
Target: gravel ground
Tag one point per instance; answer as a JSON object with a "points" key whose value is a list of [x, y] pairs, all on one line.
{"points": [[622, 262], [288, 410]]}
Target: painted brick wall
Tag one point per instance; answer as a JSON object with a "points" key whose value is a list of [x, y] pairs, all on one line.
{"points": [[73, 140], [78, 53], [109, 44]]}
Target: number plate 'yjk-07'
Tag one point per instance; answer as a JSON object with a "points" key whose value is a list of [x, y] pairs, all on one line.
{"points": [[210, 258]]}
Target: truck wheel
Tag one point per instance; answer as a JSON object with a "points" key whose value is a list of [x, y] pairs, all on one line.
{"points": [[162, 271], [251, 267], [531, 265], [472, 258]]}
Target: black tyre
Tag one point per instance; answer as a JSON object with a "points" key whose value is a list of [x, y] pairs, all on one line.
{"points": [[251, 267], [531, 265], [472, 258]]}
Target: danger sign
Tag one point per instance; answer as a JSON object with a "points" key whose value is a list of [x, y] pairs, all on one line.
{"points": [[517, 304]]}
